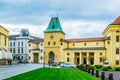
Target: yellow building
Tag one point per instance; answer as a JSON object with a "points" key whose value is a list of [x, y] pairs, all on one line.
{"points": [[93, 51], [5, 56]]}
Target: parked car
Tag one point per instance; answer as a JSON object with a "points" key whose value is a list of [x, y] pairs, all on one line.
{"points": [[67, 65], [105, 63], [61, 63]]}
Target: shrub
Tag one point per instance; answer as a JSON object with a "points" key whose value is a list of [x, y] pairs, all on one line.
{"points": [[20, 62], [117, 69], [90, 67], [105, 69], [98, 66], [81, 65], [109, 67]]}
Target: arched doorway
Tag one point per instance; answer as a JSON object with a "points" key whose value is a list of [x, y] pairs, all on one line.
{"points": [[51, 57]]}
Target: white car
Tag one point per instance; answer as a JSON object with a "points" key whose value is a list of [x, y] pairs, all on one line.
{"points": [[67, 65], [105, 63]]}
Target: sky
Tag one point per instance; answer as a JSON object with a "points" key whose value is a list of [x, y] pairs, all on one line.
{"points": [[78, 18]]}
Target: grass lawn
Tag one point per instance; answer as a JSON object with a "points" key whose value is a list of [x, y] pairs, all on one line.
{"points": [[54, 74]]}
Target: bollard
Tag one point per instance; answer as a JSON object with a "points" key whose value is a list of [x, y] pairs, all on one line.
{"points": [[103, 76], [88, 70], [92, 72], [111, 76], [97, 73]]}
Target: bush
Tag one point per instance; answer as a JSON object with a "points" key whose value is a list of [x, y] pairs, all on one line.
{"points": [[117, 69], [81, 65], [109, 67], [19, 61], [90, 67], [98, 66], [105, 69]]}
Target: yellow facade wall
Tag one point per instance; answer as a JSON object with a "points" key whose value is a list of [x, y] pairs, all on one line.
{"points": [[3, 38]]}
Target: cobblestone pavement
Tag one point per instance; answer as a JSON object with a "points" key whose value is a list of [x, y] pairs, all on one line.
{"points": [[12, 70]]}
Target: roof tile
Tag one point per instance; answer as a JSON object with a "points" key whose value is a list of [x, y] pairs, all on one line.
{"points": [[117, 21], [85, 39]]}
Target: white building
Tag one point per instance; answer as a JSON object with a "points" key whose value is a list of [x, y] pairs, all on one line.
{"points": [[19, 45]]}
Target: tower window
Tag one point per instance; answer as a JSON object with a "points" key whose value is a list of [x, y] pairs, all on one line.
{"points": [[54, 43], [48, 43]]}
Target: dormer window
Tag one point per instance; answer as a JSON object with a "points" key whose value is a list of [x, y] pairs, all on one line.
{"points": [[53, 27]]}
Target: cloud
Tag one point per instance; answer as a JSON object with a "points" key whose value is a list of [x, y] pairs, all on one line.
{"points": [[35, 30], [80, 29], [72, 29], [80, 18]]}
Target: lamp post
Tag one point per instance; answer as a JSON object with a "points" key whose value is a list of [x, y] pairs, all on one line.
{"points": [[44, 60]]}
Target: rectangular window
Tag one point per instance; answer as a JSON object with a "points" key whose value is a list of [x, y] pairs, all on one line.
{"points": [[101, 59], [108, 42], [14, 44], [117, 38], [68, 60], [85, 44], [117, 62], [73, 44], [41, 51], [41, 44], [117, 31], [41, 58], [100, 54], [21, 43], [5, 41], [11, 50], [21, 50], [14, 50], [117, 51], [29, 45], [18, 50], [10, 44]]}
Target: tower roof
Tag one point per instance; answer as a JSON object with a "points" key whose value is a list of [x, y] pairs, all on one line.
{"points": [[117, 21], [54, 25]]}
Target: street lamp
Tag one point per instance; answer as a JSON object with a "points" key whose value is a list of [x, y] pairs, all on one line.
{"points": [[44, 60]]}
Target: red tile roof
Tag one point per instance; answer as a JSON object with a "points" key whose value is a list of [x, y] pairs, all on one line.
{"points": [[117, 21], [85, 39]]}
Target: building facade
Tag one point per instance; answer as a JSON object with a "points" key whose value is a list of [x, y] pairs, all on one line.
{"points": [[5, 55], [19, 46], [92, 51]]}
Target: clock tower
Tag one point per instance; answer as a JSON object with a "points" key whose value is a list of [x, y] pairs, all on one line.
{"points": [[52, 37]]}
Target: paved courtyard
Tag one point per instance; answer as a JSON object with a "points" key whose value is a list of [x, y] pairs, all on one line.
{"points": [[8, 71]]}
